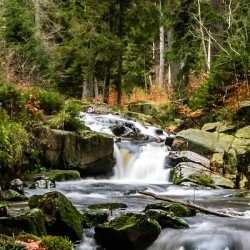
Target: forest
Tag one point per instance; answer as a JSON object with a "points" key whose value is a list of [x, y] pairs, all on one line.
{"points": [[188, 59], [196, 51], [192, 56]]}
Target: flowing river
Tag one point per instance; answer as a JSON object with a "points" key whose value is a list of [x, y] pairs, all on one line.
{"points": [[144, 166]]}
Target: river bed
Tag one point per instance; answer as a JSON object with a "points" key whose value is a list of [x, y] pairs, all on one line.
{"points": [[143, 166]]}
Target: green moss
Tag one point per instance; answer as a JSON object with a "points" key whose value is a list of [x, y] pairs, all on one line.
{"points": [[166, 219], [136, 221], [91, 219], [61, 216], [176, 180], [202, 179], [57, 243], [179, 210], [63, 175]]}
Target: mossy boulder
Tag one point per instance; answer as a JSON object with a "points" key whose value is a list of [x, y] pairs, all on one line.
{"points": [[167, 220], [180, 211], [229, 153], [189, 173], [30, 221], [128, 231], [62, 218], [90, 153], [11, 195], [94, 218], [175, 209], [63, 175]]}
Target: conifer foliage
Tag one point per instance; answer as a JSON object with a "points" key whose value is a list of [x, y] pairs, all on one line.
{"points": [[87, 48]]}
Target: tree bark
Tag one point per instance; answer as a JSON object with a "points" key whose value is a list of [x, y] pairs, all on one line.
{"points": [[120, 55], [107, 84], [162, 49], [187, 204]]}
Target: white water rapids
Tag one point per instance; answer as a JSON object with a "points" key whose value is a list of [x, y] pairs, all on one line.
{"points": [[143, 165], [143, 161]]}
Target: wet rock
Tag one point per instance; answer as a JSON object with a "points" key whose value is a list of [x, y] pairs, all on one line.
{"points": [[62, 218], [194, 173], [176, 157], [175, 209], [30, 221], [229, 154], [90, 152], [12, 195], [3, 211], [129, 231], [167, 220], [94, 218], [42, 182], [17, 185], [63, 175]]}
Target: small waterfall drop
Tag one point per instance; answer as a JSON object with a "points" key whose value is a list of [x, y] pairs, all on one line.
{"points": [[145, 162], [141, 160]]}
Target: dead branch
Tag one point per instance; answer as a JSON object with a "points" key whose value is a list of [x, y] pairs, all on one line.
{"points": [[187, 204]]}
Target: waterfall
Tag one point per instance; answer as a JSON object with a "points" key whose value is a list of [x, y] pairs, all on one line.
{"points": [[142, 162]]}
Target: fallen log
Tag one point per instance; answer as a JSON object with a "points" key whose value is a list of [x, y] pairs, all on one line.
{"points": [[188, 204]]}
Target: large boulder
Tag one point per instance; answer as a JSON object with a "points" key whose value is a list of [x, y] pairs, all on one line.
{"points": [[90, 152], [166, 220], [191, 173], [202, 142], [173, 209], [229, 154], [128, 231], [176, 157], [62, 218], [30, 221]]}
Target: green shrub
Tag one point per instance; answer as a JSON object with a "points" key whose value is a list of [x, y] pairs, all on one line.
{"points": [[13, 141], [8, 243], [224, 72], [66, 119], [56, 243], [73, 107], [51, 102], [12, 99]]}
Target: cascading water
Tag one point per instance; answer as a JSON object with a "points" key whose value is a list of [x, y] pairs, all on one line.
{"points": [[135, 161], [145, 162], [142, 165]]}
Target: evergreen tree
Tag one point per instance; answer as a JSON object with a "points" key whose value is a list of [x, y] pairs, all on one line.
{"points": [[21, 49]]}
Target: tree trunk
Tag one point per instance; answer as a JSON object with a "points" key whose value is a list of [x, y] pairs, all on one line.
{"points": [[202, 33], [107, 84], [120, 55], [187, 204], [88, 87], [162, 49], [173, 67]]}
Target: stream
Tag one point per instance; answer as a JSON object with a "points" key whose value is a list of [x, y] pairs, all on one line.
{"points": [[143, 165]]}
